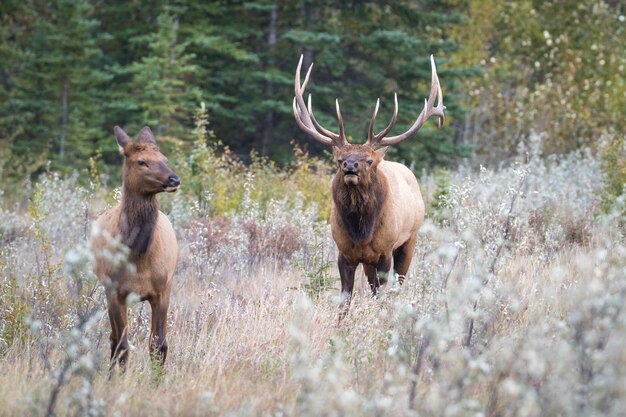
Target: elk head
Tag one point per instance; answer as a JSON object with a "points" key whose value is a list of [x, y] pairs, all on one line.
{"points": [[145, 167], [357, 163]]}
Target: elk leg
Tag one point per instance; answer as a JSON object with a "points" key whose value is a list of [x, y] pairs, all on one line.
{"points": [[158, 341], [346, 271], [402, 258], [382, 270], [377, 276], [370, 271], [119, 331]]}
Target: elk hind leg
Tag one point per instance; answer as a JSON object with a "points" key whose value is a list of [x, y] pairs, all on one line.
{"points": [[402, 258]]}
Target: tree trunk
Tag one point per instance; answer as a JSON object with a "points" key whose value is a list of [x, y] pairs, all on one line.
{"points": [[309, 13], [269, 87], [63, 118]]}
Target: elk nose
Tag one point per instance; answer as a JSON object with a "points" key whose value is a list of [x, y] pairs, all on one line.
{"points": [[173, 180], [350, 165]]}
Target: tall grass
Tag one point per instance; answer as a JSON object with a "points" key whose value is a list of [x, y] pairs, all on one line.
{"points": [[514, 304]]}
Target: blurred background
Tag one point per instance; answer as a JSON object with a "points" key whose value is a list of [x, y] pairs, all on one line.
{"points": [[72, 69]]}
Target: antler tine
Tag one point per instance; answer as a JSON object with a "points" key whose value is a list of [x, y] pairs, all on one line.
{"points": [[392, 122], [373, 139], [342, 135], [435, 86], [305, 120], [319, 127], [442, 118], [302, 124], [429, 110], [306, 78], [370, 131]]}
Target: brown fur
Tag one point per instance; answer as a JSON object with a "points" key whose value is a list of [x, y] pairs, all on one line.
{"points": [[377, 205], [149, 236], [138, 222], [375, 221], [359, 208]]}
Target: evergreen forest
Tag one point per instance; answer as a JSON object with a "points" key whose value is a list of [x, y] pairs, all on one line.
{"points": [[72, 69]]}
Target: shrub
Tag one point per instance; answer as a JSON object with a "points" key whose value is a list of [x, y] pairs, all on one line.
{"points": [[614, 169]]}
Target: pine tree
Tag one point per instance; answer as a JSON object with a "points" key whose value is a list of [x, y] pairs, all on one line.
{"points": [[365, 50], [65, 82], [229, 41], [56, 85], [13, 23], [163, 84]]}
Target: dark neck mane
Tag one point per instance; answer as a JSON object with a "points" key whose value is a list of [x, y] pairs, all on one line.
{"points": [[359, 208], [137, 221]]}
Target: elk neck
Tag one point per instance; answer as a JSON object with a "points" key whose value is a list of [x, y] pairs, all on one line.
{"points": [[360, 207], [138, 219]]}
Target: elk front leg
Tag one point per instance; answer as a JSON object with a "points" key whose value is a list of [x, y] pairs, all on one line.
{"points": [[158, 333], [378, 275], [370, 271], [119, 330], [346, 271]]}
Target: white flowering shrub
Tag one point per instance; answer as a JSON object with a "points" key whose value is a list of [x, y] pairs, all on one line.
{"points": [[514, 304]]}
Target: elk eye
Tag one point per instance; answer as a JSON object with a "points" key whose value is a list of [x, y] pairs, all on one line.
{"points": [[370, 161], [142, 163]]}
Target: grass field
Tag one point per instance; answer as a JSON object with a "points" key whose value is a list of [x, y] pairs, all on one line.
{"points": [[523, 255]]}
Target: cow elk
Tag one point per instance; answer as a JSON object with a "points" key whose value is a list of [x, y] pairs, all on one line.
{"points": [[377, 205], [149, 236]]}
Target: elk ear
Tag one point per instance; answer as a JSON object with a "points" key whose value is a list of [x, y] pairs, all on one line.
{"points": [[381, 152], [122, 138], [335, 152], [146, 136]]}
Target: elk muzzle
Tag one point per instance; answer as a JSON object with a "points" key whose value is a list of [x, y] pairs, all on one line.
{"points": [[350, 172], [172, 183]]}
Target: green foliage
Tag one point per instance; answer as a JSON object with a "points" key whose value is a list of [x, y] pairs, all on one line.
{"points": [[161, 89], [614, 167], [221, 184], [72, 70], [554, 67], [48, 283], [316, 267], [365, 50], [440, 198], [14, 314], [52, 94]]}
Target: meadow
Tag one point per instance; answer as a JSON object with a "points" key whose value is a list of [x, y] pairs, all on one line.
{"points": [[514, 304]]}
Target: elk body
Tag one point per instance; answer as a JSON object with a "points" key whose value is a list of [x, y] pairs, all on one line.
{"points": [[377, 205], [150, 238]]}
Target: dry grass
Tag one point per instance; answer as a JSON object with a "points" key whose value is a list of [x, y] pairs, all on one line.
{"points": [[248, 337]]}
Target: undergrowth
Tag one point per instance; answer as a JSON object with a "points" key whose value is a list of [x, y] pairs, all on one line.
{"points": [[514, 303]]}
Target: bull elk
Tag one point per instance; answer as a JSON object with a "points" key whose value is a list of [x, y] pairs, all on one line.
{"points": [[149, 236], [377, 205]]}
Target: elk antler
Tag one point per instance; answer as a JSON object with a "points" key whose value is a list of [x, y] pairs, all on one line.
{"points": [[429, 111], [371, 137], [306, 120]]}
